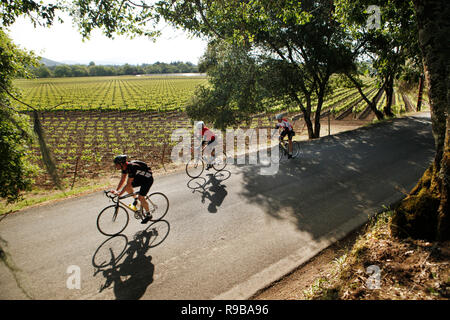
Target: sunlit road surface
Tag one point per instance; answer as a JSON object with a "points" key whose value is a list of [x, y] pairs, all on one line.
{"points": [[226, 234]]}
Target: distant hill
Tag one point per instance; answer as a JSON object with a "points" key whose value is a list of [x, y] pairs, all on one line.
{"points": [[50, 63]]}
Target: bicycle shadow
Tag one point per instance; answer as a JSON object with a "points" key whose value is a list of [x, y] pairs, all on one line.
{"points": [[216, 193], [125, 264]]}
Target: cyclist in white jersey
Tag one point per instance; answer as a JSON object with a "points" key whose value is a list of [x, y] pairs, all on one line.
{"points": [[287, 129]]}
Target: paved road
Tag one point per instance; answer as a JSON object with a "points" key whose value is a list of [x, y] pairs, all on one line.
{"points": [[239, 232]]}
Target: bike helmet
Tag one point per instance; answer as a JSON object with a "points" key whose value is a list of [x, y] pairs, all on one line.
{"points": [[279, 116], [199, 124], [120, 159]]}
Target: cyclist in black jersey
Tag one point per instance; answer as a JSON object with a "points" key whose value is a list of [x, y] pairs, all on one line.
{"points": [[139, 175]]}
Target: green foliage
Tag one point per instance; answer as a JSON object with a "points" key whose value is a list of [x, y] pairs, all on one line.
{"points": [[16, 173], [93, 70], [295, 45], [390, 45], [114, 17], [13, 62], [233, 93], [15, 134], [38, 12]]}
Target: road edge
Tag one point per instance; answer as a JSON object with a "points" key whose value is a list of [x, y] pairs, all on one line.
{"points": [[277, 271]]}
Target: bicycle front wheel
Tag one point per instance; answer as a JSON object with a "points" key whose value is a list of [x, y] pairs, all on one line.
{"points": [[282, 152], [194, 168], [112, 220], [158, 204], [220, 162]]}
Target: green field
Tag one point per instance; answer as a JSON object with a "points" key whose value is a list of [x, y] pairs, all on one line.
{"points": [[160, 93]]}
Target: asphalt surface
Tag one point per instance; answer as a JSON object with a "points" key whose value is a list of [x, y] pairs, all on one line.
{"points": [[226, 235]]}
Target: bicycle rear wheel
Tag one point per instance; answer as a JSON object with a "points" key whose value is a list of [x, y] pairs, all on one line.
{"points": [[194, 168], [220, 162], [295, 149], [112, 220], [158, 204]]}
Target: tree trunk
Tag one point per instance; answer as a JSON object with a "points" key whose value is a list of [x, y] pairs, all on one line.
{"points": [[317, 118], [320, 97], [389, 91], [419, 95], [424, 213], [309, 123], [372, 105], [309, 126], [443, 227], [306, 113]]}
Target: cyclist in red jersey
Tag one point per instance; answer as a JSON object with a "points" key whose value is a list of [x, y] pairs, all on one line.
{"points": [[208, 141]]}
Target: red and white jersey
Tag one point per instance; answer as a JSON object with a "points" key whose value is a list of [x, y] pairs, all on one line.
{"points": [[207, 134], [285, 125]]}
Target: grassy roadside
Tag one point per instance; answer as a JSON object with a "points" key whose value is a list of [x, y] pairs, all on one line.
{"points": [[84, 186], [43, 196]]}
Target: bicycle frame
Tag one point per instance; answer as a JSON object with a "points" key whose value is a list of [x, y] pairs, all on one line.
{"points": [[200, 156], [118, 202], [284, 144]]}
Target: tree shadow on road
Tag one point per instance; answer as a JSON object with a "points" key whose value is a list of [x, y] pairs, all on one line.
{"points": [[334, 178], [126, 265], [211, 189]]}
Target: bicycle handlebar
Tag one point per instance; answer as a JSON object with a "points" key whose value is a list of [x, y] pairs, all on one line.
{"points": [[109, 194], [113, 196]]}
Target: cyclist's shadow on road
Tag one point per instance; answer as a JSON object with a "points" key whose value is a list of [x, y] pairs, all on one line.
{"points": [[131, 277], [211, 188]]}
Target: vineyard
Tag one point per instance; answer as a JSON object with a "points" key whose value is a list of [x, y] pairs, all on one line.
{"points": [[94, 119], [160, 93]]}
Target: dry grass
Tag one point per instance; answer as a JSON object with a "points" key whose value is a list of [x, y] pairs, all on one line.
{"points": [[382, 267], [404, 269]]}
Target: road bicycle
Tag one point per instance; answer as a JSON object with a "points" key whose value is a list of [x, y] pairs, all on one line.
{"points": [[283, 146], [195, 166], [113, 219]]}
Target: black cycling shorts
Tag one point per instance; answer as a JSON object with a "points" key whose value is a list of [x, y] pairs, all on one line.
{"points": [[209, 142], [290, 134], [145, 185]]}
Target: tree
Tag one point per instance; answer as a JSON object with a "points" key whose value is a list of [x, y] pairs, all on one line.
{"points": [[128, 69], [233, 93], [301, 38], [62, 71], [42, 72], [425, 212], [15, 133], [79, 71], [388, 45]]}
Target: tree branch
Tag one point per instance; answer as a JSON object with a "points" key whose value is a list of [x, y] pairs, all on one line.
{"points": [[205, 20], [16, 99]]}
